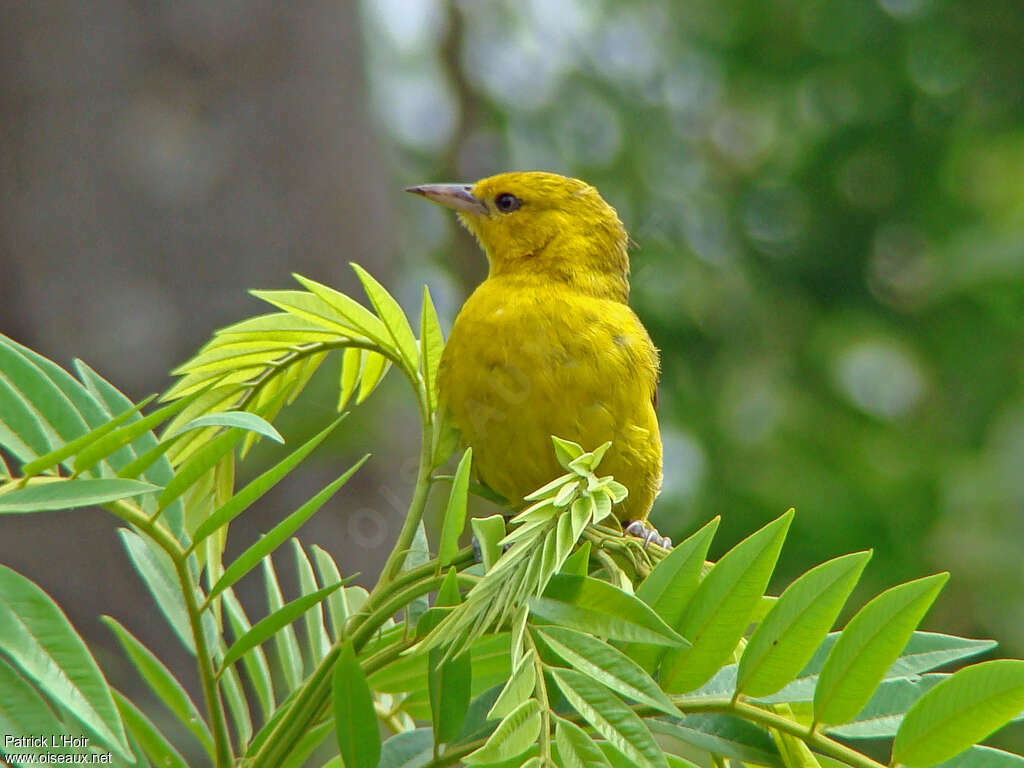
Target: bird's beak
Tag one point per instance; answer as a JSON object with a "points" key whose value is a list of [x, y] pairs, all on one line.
{"points": [[456, 196]]}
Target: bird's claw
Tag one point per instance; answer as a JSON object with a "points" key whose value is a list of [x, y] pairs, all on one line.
{"points": [[641, 530]]}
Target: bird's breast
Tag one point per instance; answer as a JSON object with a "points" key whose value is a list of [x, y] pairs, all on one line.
{"points": [[522, 366]]}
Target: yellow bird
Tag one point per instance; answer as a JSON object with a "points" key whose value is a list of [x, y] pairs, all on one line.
{"points": [[547, 344]]}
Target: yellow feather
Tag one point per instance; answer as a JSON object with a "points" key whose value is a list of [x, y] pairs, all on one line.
{"points": [[547, 344]]}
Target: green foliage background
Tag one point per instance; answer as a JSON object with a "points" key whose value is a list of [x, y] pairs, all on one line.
{"points": [[826, 203]]}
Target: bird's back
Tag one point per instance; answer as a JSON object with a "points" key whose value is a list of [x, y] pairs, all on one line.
{"points": [[528, 359]]}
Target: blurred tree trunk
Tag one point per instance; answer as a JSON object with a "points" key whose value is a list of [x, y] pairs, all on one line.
{"points": [[157, 160]]}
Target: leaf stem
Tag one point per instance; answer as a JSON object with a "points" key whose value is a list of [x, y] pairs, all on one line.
{"points": [[311, 699], [204, 660], [755, 714], [541, 693], [412, 518]]}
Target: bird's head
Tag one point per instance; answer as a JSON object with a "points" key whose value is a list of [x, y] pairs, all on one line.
{"points": [[533, 223]]}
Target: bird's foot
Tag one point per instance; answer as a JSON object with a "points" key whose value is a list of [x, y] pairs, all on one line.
{"points": [[641, 529]]}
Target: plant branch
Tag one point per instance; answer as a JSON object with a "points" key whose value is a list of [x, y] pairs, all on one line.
{"points": [[541, 693], [452, 756], [414, 515], [274, 367], [754, 714], [313, 697], [204, 660]]}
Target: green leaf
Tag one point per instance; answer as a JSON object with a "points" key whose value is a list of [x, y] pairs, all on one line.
{"points": [[730, 737], [337, 608], [355, 720], [581, 513], [255, 661], [255, 490], [984, 757], [156, 746], [598, 608], [606, 665], [300, 373], [199, 463], [786, 639], [163, 684], [266, 628], [518, 689], [925, 651], [960, 711], [307, 745], [489, 531], [219, 356], [669, 587], [882, 715], [393, 316], [720, 609], [610, 717], [870, 643], [275, 325], [39, 640], [419, 553], [602, 506], [578, 563], [73, 447], [490, 659], [478, 725], [448, 680], [566, 450], [31, 398], [147, 461], [239, 419], [314, 308], [445, 440], [375, 367], [22, 710], [513, 736], [407, 749], [268, 543], [21, 428], [455, 513], [286, 644], [317, 641], [793, 750], [351, 368], [931, 650], [222, 392], [575, 747], [566, 494], [351, 312], [109, 444], [431, 348], [547, 490], [156, 569], [70, 494]]}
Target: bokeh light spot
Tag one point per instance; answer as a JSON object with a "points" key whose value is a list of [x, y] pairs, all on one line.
{"points": [[685, 463], [905, 9], [901, 267], [418, 108], [939, 62], [869, 179], [589, 131], [880, 377], [775, 217]]}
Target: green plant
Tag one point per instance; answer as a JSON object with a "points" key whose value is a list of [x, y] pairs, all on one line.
{"points": [[567, 645]]}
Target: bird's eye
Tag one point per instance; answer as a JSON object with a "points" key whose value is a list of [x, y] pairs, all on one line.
{"points": [[507, 202]]}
